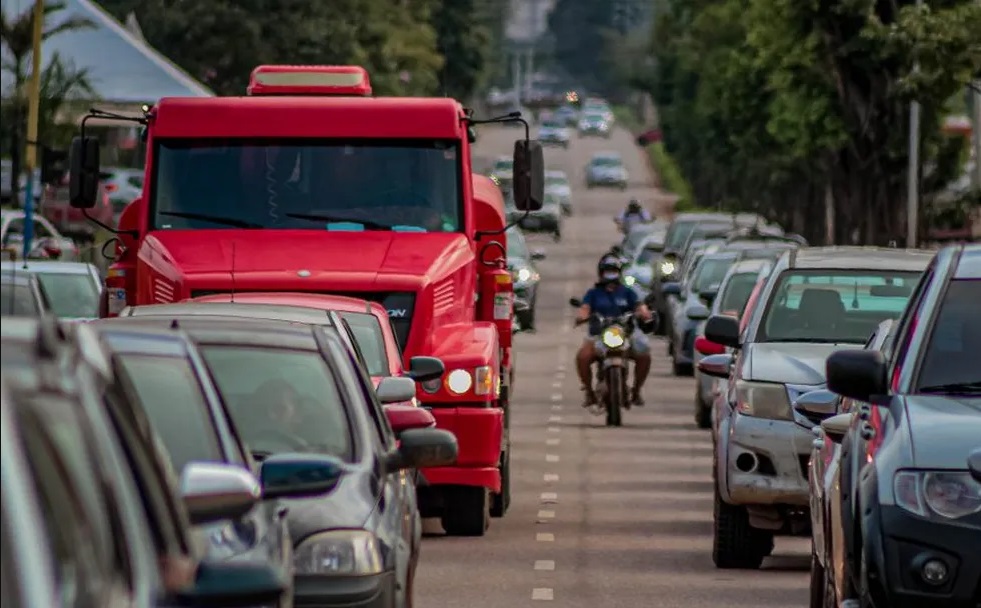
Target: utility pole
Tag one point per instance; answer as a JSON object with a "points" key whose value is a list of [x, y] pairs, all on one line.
{"points": [[975, 105], [33, 112], [913, 171], [533, 6]]}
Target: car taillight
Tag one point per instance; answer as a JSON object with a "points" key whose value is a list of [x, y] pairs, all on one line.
{"points": [[111, 187]]}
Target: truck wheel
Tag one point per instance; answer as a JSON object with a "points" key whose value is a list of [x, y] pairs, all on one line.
{"points": [[736, 544], [467, 511], [501, 502]]}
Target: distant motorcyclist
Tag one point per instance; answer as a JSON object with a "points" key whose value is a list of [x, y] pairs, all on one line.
{"points": [[633, 215], [617, 252], [609, 297]]}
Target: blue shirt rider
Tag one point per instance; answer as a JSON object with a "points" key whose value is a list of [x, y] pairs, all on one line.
{"points": [[609, 297]]}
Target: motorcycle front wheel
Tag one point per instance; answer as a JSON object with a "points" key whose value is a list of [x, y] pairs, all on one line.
{"points": [[616, 395]]}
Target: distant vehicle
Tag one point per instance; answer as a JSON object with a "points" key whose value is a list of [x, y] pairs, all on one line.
{"points": [[122, 185], [567, 114], [593, 123], [46, 241], [6, 195], [524, 276], [72, 289], [557, 184], [553, 131], [547, 219], [606, 169]]}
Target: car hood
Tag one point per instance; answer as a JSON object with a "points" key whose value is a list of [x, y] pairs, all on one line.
{"points": [[559, 190], [348, 506], [943, 430], [790, 362]]}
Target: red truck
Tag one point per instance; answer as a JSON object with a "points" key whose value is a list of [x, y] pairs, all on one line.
{"points": [[310, 185]]}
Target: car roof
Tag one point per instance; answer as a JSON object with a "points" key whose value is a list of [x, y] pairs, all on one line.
{"points": [[229, 310], [747, 266], [11, 213], [556, 173], [878, 258], [17, 278], [219, 329], [290, 300], [969, 264], [49, 266], [130, 338]]}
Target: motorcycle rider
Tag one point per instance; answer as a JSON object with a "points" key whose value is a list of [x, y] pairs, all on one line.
{"points": [[609, 297], [631, 216]]}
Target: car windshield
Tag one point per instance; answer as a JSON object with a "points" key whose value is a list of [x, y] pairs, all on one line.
{"points": [[282, 400], [606, 161], [504, 164], [18, 301], [679, 233], [169, 393], [71, 295], [349, 185], [951, 359], [736, 293], [517, 248], [594, 117], [368, 333], [556, 180], [551, 124], [648, 254], [834, 306], [710, 271]]}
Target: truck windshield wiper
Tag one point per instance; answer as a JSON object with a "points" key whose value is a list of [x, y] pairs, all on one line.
{"points": [[968, 388], [330, 219], [215, 219]]}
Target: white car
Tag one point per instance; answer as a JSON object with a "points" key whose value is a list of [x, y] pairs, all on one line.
{"points": [[557, 185], [606, 169], [46, 242], [553, 132], [73, 289]]}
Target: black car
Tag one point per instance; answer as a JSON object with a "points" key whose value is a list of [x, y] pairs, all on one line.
{"points": [[524, 276], [911, 508], [298, 388], [119, 529]]}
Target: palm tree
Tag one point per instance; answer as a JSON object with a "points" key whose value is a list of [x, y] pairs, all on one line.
{"points": [[16, 35]]}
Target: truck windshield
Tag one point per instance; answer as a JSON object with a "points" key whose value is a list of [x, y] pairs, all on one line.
{"points": [[399, 185]]}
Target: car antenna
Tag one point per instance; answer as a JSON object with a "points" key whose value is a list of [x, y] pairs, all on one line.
{"points": [[233, 272]]}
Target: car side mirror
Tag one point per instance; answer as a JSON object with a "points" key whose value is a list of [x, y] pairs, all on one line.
{"points": [[835, 427], [817, 405], [698, 313], [858, 374], [424, 369], [974, 465], [538, 255], [422, 448], [83, 173], [717, 366], [299, 475], [723, 330], [213, 492], [405, 417], [671, 288], [528, 182], [233, 585], [396, 389]]}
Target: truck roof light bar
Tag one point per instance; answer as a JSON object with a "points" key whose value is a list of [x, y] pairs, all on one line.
{"points": [[309, 80]]}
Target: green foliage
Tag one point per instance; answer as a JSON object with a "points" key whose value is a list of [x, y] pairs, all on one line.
{"points": [[672, 180], [582, 33], [767, 105]]}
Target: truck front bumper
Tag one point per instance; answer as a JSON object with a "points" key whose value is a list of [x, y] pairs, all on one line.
{"points": [[480, 435]]}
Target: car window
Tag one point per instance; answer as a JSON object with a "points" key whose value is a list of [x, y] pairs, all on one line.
{"points": [[504, 164], [14, 227], [647, 255], [368, 334], [606, 161], [834, 305], [710, 273], [73, 509], [18, 301], [737, 291], [954, 342], [551, 124], [517, 247], [169, 393], [281, 400], [360, 384], [41, 230], [71, 295]]}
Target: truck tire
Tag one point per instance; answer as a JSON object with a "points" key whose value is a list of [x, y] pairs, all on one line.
{"points": [[736, 544], [502, 501], [467, 511]]}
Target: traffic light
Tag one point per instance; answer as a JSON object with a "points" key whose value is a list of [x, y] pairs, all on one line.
{"points": [[54, 165]]}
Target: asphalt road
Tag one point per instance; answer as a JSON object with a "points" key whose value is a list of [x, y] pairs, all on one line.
{"points": [[600, 517]]}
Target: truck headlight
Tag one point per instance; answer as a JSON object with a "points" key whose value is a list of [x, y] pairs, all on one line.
{"points": [[339, 553], [763, 400], [949, 494], [613, 337], [459, 381]]}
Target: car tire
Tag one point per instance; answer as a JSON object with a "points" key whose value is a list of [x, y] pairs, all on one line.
{"points": [[467, 511], [703, 414], [736, 544], [502, 501]]}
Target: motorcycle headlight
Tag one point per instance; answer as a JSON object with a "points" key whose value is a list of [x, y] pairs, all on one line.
{"points": [[763, 400], [947, 494], [339, 553], [613, 337], [667, 268]]}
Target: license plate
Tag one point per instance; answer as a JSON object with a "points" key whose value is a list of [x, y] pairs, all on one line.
{"points": [[609, 361]]}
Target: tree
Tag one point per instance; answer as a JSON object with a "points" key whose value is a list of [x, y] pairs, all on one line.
{"points": [[463, 39], [17, 36]]}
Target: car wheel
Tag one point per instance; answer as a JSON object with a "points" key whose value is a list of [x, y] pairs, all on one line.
{"points": [[467, 511], [703, 414], [501, 502], [736, 544], [818, 582], [531, 315]]}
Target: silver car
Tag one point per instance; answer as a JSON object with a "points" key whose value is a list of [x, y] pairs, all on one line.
{"points": [[593, 123], [72, 289], [557, 184], [554, 132], [816, 301], [606, 169]]}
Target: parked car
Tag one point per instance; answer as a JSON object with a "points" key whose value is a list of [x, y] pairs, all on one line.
{"points": [[912, 527], [557, 184], [606, 169], [524, 276], [816, 301], [553, 131], [72, 289], [46, 241], [21, 295], [733, 295], [294, 387], [128, 542]]}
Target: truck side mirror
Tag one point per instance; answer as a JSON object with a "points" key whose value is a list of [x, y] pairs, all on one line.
{"points": [[83, 173], [529, 175]]}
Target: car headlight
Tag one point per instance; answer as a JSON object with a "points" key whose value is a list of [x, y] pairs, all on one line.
{"points": [[667, 268], [629, 280], [459, 381], [524, 275], [613, 337], [948, 494], [339, 553], [763, 400]]}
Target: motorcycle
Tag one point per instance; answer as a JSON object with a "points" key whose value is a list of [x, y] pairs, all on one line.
{"points": [[518, 306], [613, 360]]}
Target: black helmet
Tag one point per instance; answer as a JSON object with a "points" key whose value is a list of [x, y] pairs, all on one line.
{"points": [[633, 206], [609, 268], [616, 250]]}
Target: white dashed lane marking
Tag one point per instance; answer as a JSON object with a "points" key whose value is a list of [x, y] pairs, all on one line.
{"points": [[550, 477], [544, 564], [551, 457], [543, 594], [549, 497], [545, 537]]}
